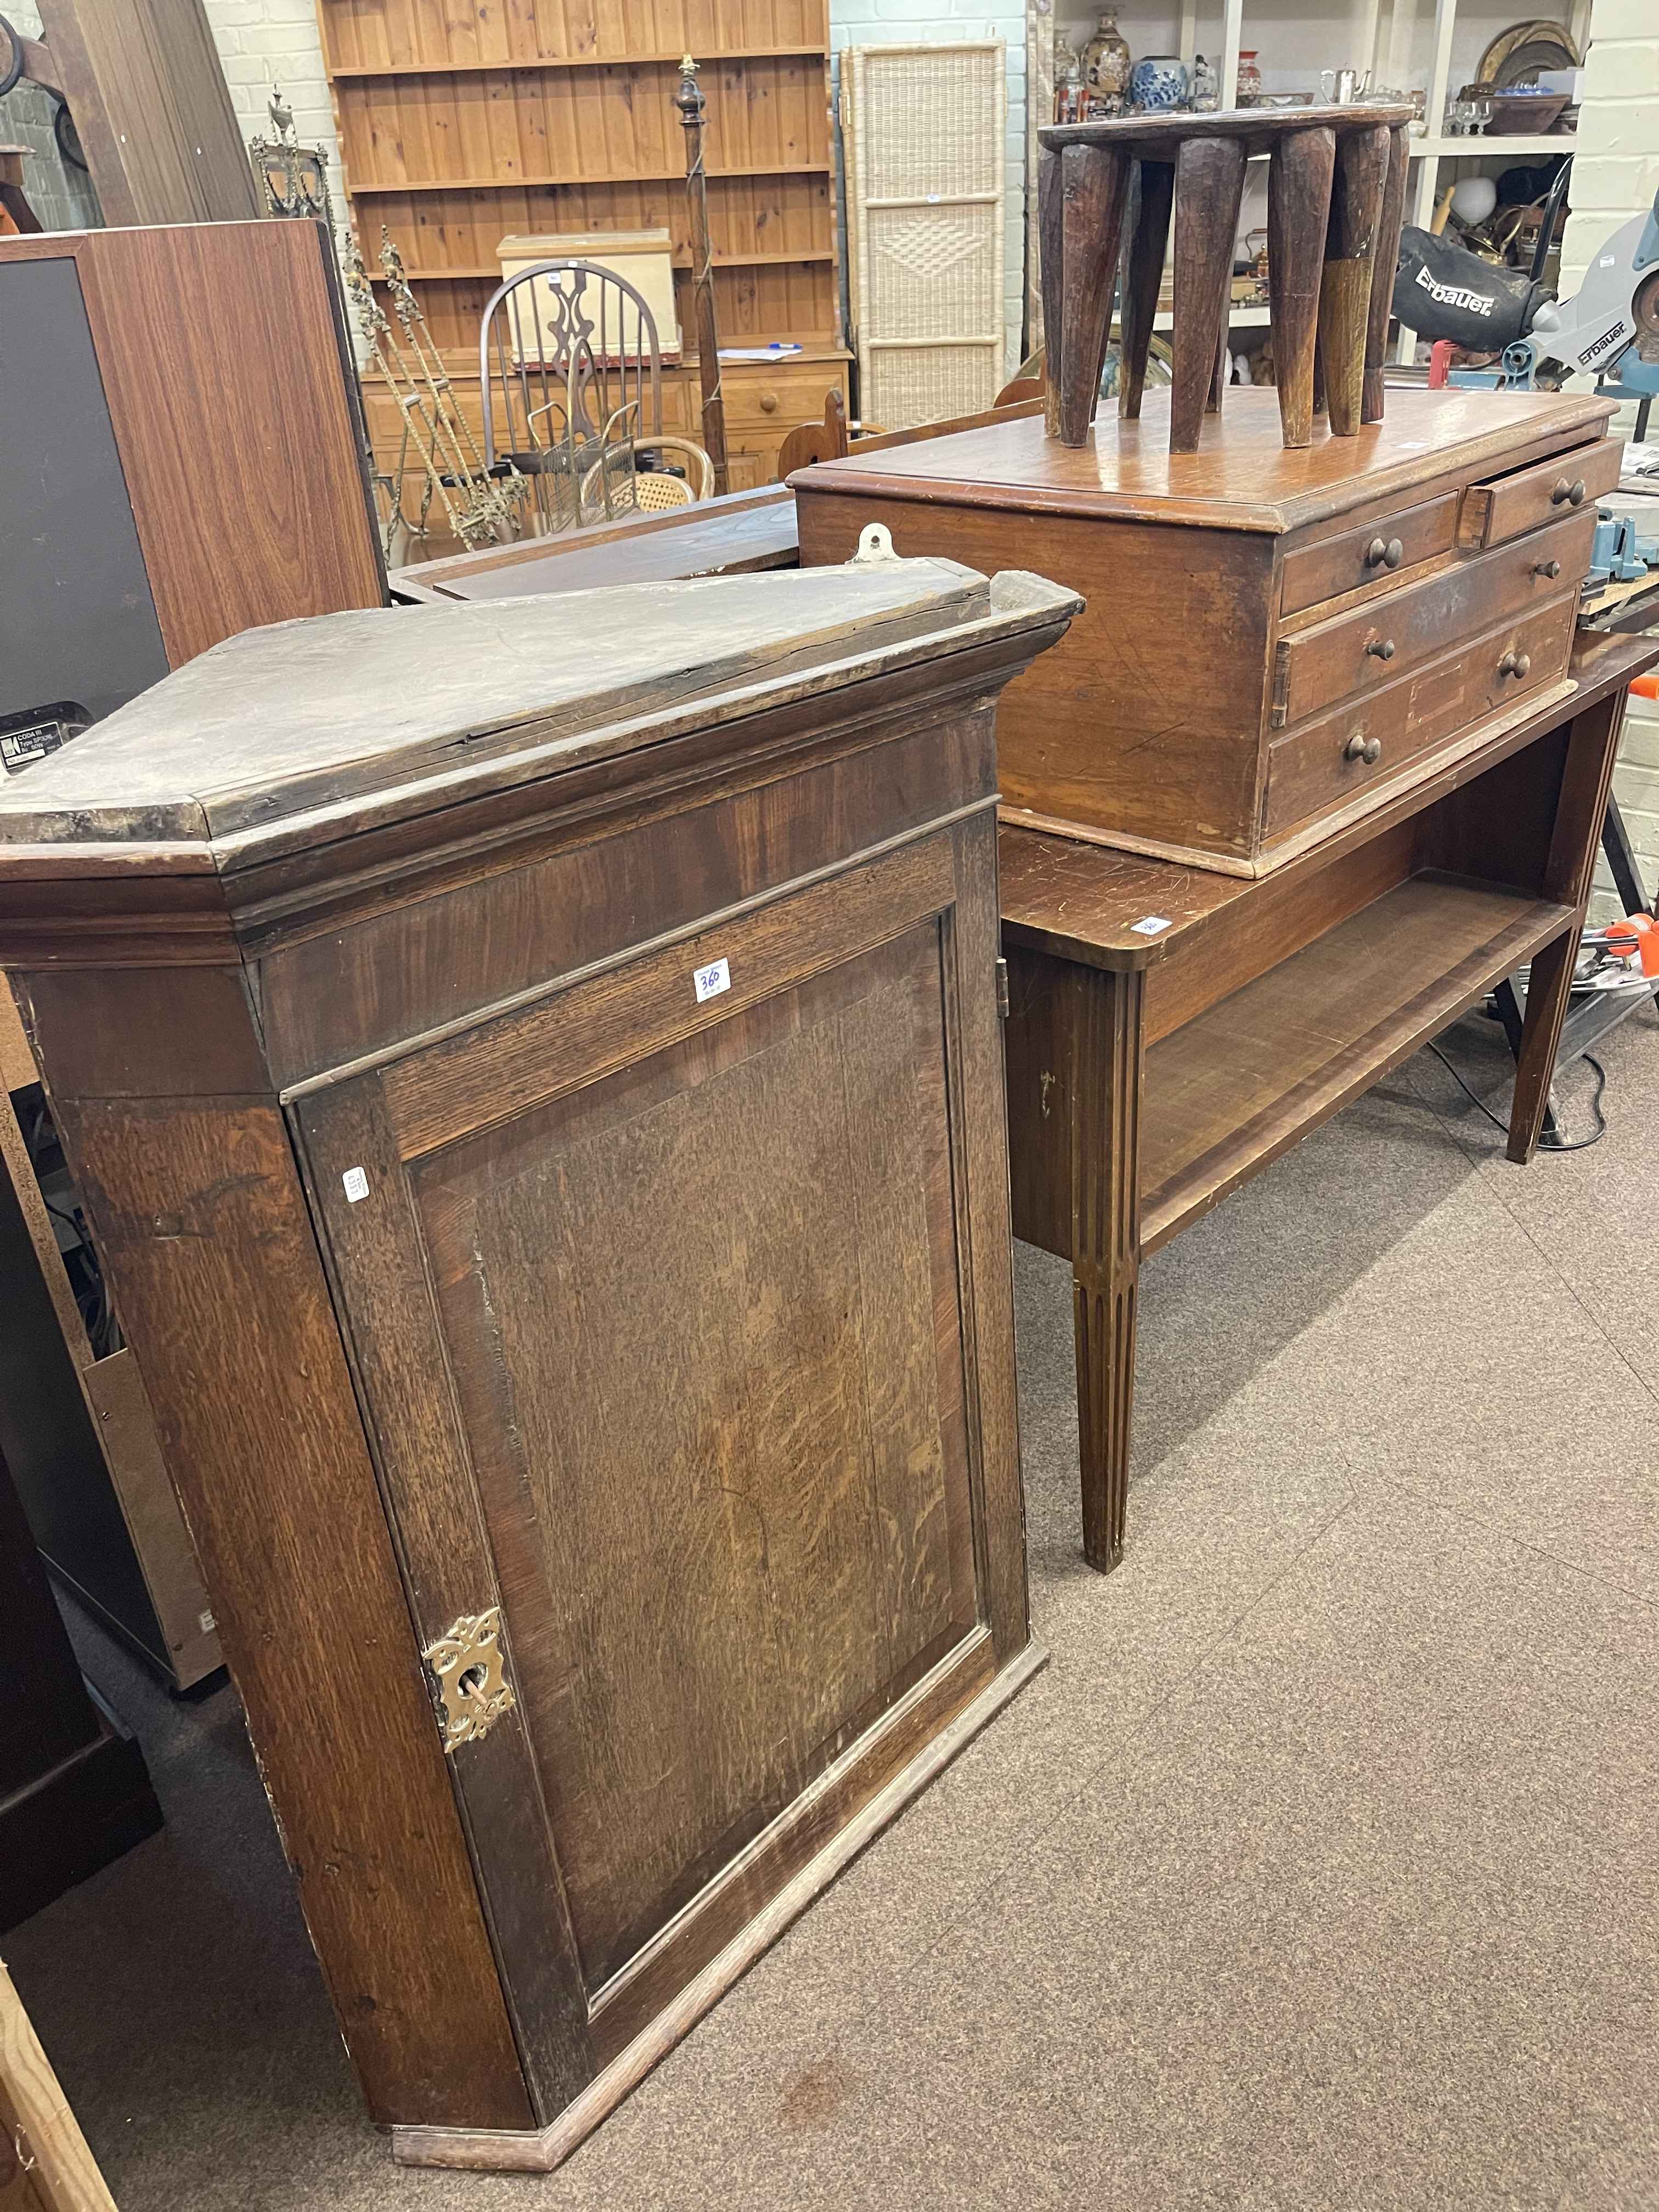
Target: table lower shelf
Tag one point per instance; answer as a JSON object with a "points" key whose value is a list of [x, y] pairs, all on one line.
{"points": [[1242, 1081]]}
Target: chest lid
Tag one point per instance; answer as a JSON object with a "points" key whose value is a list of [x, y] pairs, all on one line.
{"points": [[325, 722], [1242, 477]]}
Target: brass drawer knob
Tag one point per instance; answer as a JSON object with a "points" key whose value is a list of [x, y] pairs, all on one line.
{"points": [[1514, 664], [1358, 748], [1384, 553], [769, 401], [1568, 494], [1550, 568], [1381, 648]]}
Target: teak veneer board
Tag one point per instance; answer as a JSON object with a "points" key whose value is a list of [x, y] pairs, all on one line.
{"points": [[1242, 479], [743, 532], [236, 417], [737, 535], [1158, 137]]}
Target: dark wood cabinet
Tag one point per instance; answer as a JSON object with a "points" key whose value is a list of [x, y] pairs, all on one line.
{"points": [[546, 1130]]}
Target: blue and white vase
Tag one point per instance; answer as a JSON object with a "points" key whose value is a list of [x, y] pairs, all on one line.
{"points": [[1158, 81]]}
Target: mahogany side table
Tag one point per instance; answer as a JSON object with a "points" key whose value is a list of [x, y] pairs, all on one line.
{"points": [[1171, 1030]]}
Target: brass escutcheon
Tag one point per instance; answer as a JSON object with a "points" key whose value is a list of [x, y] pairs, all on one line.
{"points": [[470, 1675]]}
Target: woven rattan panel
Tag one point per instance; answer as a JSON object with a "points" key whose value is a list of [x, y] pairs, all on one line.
{"points": [[925, 128]]}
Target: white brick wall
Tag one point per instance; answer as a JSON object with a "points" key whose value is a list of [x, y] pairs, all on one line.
{"points": [[1615, 176], [268, 43], [916, 22]]}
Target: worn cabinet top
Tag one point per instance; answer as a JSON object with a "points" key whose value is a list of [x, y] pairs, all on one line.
{"points": [[318, 725], [1241, 478]]}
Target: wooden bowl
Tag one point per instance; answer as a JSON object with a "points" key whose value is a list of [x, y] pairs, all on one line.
{"points": [[1525, 115]]}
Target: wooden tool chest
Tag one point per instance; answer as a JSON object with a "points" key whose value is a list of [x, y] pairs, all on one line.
{"points": [[543, 1116], [1273, 641]]}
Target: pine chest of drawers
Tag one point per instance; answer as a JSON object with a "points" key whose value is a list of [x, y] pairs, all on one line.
{"points": [[1275, 642]]}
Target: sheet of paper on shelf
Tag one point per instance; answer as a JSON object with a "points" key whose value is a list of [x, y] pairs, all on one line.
{"points": [[776, 351]]}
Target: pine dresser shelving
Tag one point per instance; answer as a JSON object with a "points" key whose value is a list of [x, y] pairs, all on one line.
{"points": [[460, 127]]}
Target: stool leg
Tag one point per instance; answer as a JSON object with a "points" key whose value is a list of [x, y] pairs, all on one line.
{"points": [[1299, 208], [1051, 244], [1223, 370], [1209, 185], [1384, 263], [1094, 187], [1143, 276], [1345, 288]]}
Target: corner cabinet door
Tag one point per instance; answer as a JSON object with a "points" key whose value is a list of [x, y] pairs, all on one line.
{"points": [[675, 1347]]}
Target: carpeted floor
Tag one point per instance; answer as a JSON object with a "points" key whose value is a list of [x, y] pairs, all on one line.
{"points": [[1321, 1868]]}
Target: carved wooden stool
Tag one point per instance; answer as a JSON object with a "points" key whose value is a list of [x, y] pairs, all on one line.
{"points": [[1336, 195]]}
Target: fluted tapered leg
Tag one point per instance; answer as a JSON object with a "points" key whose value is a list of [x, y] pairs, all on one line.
{"points": [[1151, 201], [1298, 210], [1384, 263], [1359, 176], [1209, 185], [1106, 1043]]}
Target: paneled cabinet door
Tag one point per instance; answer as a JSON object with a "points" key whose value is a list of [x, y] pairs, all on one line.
{"points": [[655, 1290]]}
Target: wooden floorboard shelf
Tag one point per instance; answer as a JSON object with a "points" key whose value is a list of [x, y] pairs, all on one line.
{"points": [[513, 180], [681, 261], [506, 64], [1241, 1083]]}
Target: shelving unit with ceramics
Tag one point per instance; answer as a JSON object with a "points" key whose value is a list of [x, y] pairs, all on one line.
{"points": [[1470, 156], [1378, 34], [1148, 30]]}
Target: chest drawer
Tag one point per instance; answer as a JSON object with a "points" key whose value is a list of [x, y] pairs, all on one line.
{"points": [[1367, 555], [1507, 505], [1333, 759], [1370, 646], [763, 396]]}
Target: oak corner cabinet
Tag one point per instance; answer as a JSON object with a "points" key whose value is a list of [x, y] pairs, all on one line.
{"points": [[1276, 642], [543, 1115]]}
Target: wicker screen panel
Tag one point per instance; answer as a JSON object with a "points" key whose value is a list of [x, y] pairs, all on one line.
{"points": [[925, 128], [905, 384]]}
